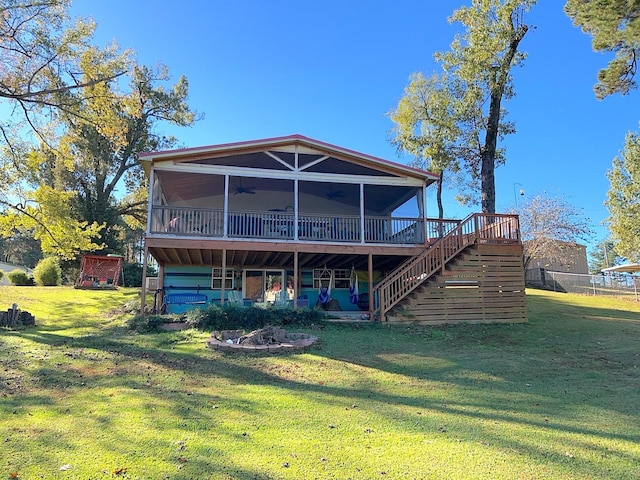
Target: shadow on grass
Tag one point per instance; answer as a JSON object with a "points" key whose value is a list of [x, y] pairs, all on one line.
{"points": [[539, 375]]}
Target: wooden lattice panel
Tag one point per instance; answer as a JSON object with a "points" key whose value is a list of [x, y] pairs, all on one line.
{"points": [[99, 272], [485, 283]]}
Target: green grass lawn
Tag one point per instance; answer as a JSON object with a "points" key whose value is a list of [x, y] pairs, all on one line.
{"points": [[83, 397]]}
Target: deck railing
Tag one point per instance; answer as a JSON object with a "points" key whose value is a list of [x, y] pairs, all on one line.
{"points": [[204, 222], [476, 228]]}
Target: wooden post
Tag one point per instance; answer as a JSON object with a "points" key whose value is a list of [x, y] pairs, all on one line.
{"points": [[370, 272], [295, 279], [224, 275], [160, 286], [476, 228], [143, 290]]}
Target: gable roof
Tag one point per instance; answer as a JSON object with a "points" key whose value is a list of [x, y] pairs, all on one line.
{"points": [[286, 143]]}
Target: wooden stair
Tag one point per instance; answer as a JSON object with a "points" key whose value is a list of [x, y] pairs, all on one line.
{"points": [[483, 284], [473, 274]]}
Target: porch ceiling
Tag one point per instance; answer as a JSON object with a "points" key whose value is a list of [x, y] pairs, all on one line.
{"points": [[334, 258]]}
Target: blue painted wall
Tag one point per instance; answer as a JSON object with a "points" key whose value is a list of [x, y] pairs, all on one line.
{"points": [[186, 279]]}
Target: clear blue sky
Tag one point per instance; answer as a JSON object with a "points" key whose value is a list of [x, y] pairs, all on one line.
{"points": [[332, 70]]}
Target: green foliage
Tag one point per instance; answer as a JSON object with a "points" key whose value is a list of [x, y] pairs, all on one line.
{"points": [[603, 255], [132, 273], [147, 323], [1, 274], [234, 317], [623, 200], [95, 157], [48, 214], [48, 272], [42, 51], [425, 127], [20, 278], [21, 249], [66, 186], [614, 26], [452, 121]]}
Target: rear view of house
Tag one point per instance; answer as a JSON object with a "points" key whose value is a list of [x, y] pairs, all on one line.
{"points": [[295, 221]]}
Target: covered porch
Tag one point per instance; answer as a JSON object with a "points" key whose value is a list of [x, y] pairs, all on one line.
{"points": [[251, 225], [273, 272]]}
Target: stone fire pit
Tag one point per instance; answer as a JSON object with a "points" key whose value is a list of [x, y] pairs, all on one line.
{"points": [[268, 339]]}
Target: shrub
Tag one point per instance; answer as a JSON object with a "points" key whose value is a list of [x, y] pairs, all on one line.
{"points": [[147, 323], [1, 274], [48, 272], [20, 278], [234, 317], [132, 274]]}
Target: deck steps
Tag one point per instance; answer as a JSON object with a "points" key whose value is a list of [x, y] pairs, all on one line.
{"points": [[483, 284]]}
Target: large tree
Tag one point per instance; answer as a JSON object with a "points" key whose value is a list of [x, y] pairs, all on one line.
{"points": [[623, 200], [41, 55], [614, 26], [92, 110], [41, 48], [425, 127], [96, 157], [461, 109], [550, 227]]}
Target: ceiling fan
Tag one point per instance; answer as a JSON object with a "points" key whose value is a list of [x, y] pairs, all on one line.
{"points": [[335, 194], [241, 189]]}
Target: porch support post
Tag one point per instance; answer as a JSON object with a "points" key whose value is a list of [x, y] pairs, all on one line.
{"points": [[296, 193], [362, 223], [370, 268], [224, 275], [225, 208], [295, 279], [143, 290], [296, 201], [160, 286], [150, 202], [422, 212]]}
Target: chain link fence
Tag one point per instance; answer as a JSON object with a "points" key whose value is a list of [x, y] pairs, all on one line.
{"points": [[616, 284]]}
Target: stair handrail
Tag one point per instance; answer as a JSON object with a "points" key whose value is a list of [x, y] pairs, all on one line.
{"points": [[477, 227]]}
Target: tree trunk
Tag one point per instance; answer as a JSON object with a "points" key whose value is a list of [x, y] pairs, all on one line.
{"points": [[487, 177], [439, 196], [498, 84]]}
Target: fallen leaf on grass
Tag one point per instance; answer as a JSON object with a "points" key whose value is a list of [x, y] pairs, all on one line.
{"points": [[120, 471], [14, 475], [182, 460]]}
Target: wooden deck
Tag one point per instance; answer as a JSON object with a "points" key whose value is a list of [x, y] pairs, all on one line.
{"points": [[287, 226]]}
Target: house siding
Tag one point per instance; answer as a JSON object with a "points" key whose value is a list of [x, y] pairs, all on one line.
{"points": [[198, 279]]}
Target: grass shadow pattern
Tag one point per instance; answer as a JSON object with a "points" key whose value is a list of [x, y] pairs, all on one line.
{"points": [[554, 398]]}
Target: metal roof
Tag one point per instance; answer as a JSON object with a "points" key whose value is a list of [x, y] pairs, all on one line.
{"points": [[629, 268]]}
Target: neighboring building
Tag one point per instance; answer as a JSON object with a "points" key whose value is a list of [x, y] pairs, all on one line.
{"points": [[570, 258], [292, 220]]}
